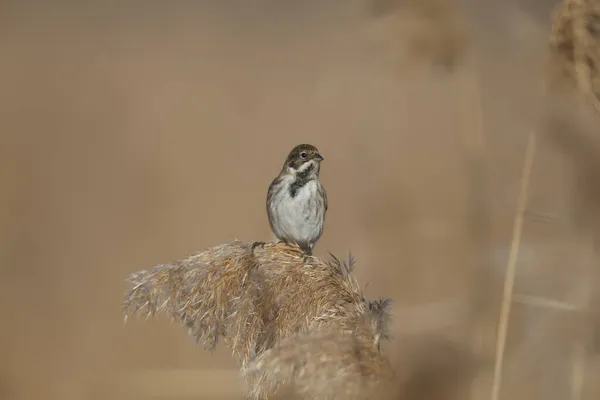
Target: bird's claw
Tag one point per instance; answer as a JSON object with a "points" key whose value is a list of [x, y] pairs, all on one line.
{"points": [[257, 244], [307, 254]]}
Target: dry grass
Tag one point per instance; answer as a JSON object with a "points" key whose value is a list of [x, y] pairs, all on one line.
{"points": [[256, 296], [575, 47]]}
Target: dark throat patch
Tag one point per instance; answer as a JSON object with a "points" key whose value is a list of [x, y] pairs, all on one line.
{"points": [[302, 178]]}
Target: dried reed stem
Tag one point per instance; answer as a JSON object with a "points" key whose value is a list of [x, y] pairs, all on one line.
{"points": [[511, 267]]}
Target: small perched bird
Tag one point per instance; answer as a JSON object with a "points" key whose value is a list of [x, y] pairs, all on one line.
{"points": [[296, 200]]}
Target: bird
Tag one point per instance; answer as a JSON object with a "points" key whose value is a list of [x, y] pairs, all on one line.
{"points": [[296, 199]]}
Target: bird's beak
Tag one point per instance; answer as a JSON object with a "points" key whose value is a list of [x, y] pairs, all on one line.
{"points": [[318, 157]]}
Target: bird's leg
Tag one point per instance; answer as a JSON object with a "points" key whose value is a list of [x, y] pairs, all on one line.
{"points": [[307, 253]]}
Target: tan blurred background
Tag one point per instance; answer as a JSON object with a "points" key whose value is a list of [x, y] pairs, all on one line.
{"points": [[133, 135]]}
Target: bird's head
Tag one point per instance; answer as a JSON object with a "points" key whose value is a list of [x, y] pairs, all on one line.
{"points": [[304, 158]]}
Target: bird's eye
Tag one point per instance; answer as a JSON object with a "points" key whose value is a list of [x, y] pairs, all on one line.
{"points": [[303, 154]]}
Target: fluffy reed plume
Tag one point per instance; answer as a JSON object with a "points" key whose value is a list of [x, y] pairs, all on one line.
{"points": [[326, 366], [256, 296], [213, 294], [575, 47]]}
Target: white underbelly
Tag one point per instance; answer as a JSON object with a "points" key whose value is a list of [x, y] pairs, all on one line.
{"points": [[301, 217]]}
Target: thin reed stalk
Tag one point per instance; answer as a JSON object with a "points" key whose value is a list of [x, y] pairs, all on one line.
{"points": [[511, 266]]}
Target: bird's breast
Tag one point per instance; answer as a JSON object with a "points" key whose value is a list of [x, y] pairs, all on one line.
{"points": [[306, 192]]}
